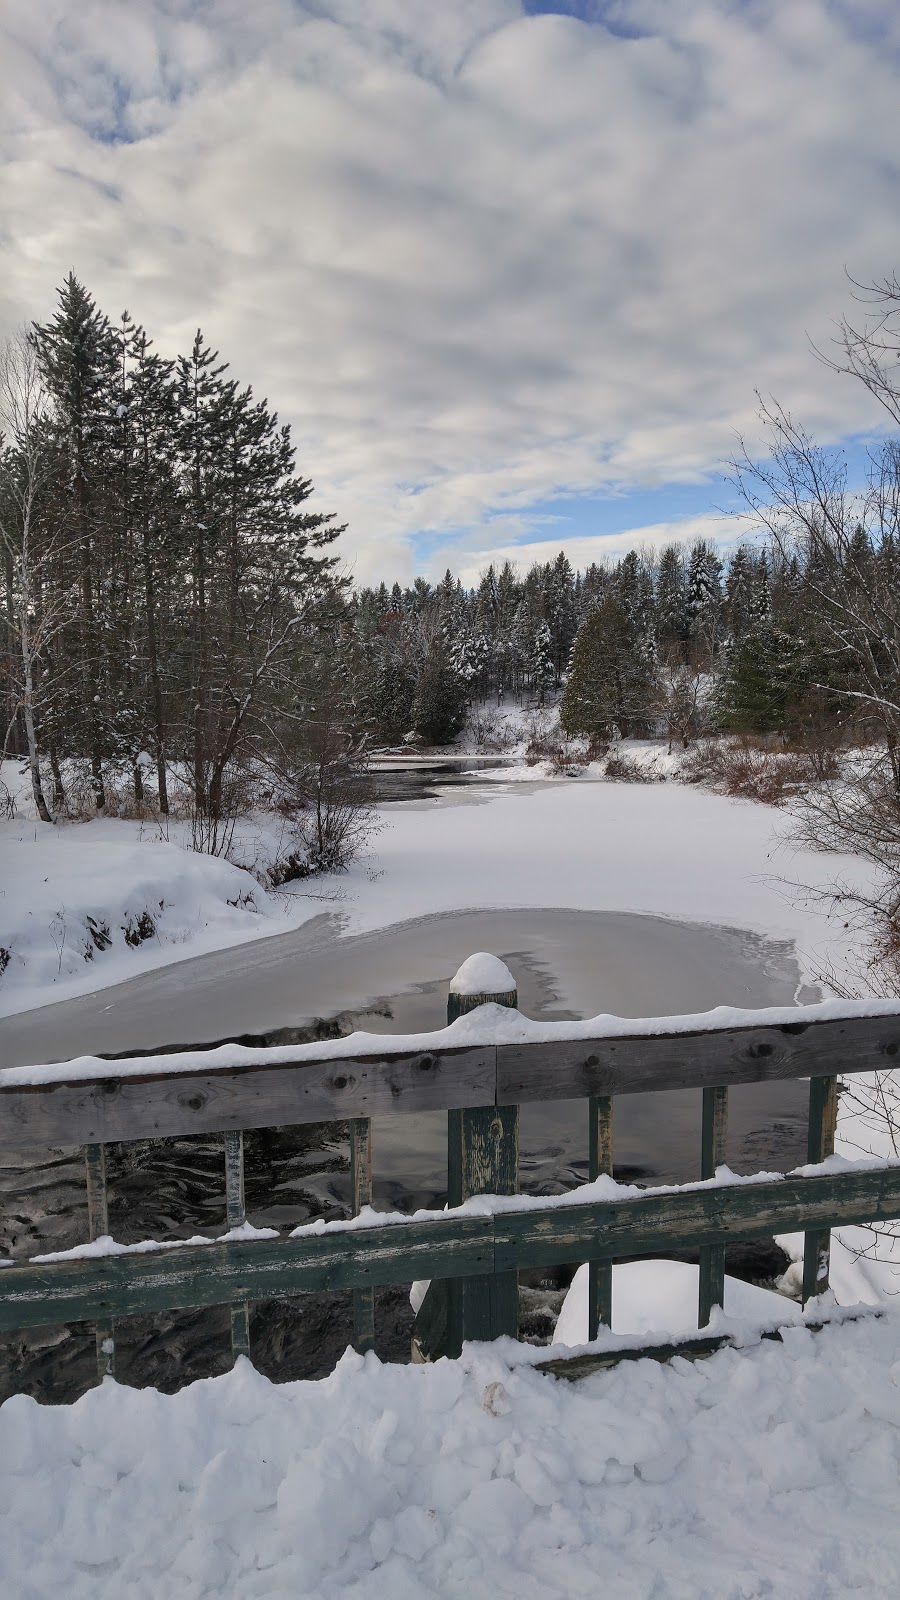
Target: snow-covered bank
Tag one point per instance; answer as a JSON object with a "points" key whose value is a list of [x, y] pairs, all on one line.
{"points": [[766, 1471], [665, 849]]}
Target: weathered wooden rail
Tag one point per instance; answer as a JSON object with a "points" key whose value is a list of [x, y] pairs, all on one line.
{"points": [[471, 1255]]}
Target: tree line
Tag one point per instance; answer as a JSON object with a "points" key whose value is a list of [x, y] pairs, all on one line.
{"points": [[174, 610]]}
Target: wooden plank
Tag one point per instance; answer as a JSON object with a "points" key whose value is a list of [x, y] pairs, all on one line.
{"points": [[656, 1224], [157, 1104], [236, 1214], [697, 1348], [361, 1184], [98, 1228], [572, 1070], [600, 1160], [712, 1155], [256, 1095], [263, 1269], [81, 1290], [819, 1145]]}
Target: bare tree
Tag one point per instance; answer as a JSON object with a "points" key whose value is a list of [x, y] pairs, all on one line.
{"points": [[26, 464]]}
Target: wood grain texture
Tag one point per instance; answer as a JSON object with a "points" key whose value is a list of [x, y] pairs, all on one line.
{"points": [[568, 1071], [361, 1185], [150, 1104], [164, 1104], [93, 1288], [712, 1155], [236, 1214], [600, 1160], [98, 1227], [262, 1269], [657, 1223], [819, 1144]]}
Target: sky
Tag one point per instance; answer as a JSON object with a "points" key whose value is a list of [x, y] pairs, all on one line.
{"points": [[514, 272]]}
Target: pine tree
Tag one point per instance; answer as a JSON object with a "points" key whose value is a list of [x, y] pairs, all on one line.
{"points": [[611, 684], [77, 356], [439, 705]]}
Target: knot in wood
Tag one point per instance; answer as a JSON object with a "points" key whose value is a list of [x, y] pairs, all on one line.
{"points": [[762, 1049]]}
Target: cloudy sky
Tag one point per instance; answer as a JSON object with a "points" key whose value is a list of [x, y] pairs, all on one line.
{"points": [[512, 269]]}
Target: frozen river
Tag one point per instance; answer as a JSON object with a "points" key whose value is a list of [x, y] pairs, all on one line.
{"points": [[316, 981]]}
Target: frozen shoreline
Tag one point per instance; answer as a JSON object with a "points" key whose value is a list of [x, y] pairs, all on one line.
{"points": [[664, 850]]}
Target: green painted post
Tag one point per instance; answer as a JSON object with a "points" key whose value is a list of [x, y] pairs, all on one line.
{"points": [[600, 1110], [482, 1158], [361, 1182], [98, 1228], [819, 1145], [236, 1216], [712, 1256]]}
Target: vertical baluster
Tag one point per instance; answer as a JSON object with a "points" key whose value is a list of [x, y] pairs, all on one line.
{"points": [[819, 1145], [98, 1228], [361, 1182], [236, 1215], [601, 1160], [712, 1256], [482, 1158]]}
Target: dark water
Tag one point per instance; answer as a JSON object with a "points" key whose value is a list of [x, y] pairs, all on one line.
{"points": [[393, 781]]}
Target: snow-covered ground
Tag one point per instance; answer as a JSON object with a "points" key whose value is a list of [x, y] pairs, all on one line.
{"points": [[666, 849], [769, 1471]]}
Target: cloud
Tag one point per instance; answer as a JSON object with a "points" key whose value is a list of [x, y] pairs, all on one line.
{"points": [[582, 549], [477, 258]]}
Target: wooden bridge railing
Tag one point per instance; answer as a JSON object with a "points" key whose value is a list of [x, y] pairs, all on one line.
{"points": [[479, 1072]]}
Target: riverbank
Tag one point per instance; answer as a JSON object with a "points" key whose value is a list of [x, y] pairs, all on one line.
{"points": [[665, 850]]}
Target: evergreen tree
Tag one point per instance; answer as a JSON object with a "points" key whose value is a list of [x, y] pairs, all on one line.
{"points": [[77, 355], [439, 705], [612, 683]]}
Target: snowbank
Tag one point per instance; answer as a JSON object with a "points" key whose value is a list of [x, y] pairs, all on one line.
{"points": [[770, 1470], [649, 1296], [82, 906]]}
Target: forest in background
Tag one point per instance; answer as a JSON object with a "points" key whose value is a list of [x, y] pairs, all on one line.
{"points": [[177, 629]]}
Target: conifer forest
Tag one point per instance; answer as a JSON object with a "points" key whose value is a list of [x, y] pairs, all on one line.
{"points": [[176, 614]]}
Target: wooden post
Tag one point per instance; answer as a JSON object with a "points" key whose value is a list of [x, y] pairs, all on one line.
{"points": [[601, 1160], [819, 1145], [361, 1181], [482, 1158], [712, 1256], [98, 1228], [236, 1215]]}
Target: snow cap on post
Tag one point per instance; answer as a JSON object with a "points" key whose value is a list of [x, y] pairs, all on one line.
{"points": [[482, 974], [481, 980]]}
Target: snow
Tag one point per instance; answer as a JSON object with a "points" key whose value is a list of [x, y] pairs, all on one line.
{"points": [[664, 849], [483, 974], [650, 1296], [487, 1025], [769, 1470], [105, 1245]]}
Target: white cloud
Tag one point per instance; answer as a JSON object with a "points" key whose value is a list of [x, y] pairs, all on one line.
{"points": [[582, 549], [482, 256]]}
